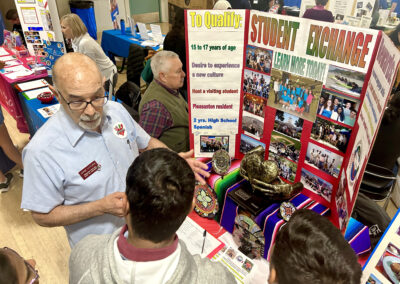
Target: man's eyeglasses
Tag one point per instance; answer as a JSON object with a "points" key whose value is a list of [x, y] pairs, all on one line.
{"points": [[28, 266], [81, 105]]}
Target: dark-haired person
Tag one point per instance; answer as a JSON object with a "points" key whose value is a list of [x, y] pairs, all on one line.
{"points": [[319, 13], [12, 16], [310, 249], [160, 192], [351, 119], [15, 269]]}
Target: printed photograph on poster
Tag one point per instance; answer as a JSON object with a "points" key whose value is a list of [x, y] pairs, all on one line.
{"points": [[247, 143], [256, 83], [357, 157], [344, 80], [287, 168], [46, 20], [341, 207], [373, 280], [331, 134], [254, 105], [39, 49], [41, 3], [294, 94], [29, 15], [338, 107], [213, 143], [285, 146], [288, 124], [316, 184], [33, 37], [259, 59], [324, 160], [389, 264], [252, 125]]}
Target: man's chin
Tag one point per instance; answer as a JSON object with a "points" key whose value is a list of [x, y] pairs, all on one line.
{"points": [[90, 125]]}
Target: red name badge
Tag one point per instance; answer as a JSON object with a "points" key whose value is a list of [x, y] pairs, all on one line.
{"points": [[89, 170]]}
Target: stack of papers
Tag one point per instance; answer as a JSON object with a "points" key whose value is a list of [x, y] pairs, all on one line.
{"points": [[32, 85], [16, 68], [7, 58], [32, 94], [19, 74], [49, 111], [3, 52]]}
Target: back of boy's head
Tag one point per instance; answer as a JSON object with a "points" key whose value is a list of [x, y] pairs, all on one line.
{"points": [[310, 249], [160, 188]]}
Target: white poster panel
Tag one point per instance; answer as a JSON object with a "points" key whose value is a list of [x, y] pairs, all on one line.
{"points": [[215, 64]]}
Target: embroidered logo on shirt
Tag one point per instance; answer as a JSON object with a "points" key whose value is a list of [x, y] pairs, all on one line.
{"points": [[89, 170], [119, 130]]}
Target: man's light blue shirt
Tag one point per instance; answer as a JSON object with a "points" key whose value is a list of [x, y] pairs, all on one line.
{"points": [[61, 149]]}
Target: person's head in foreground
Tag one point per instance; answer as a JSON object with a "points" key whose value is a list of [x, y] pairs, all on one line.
{"points": [[167, 69], [78, 86], [72, 26], [321, 2], [160, 189], [12, 16], [15, 269], [310, 249]]}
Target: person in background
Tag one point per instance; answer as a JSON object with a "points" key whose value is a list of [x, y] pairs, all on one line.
{"points": [[319, 13], [160, 192], [222, 5], [12, 16], [395, 8], [240, 4], [15, 269], [163, 111], [310, 249], [74, 29], [395, 37]]}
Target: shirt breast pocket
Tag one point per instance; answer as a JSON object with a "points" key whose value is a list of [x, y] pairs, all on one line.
{"points": [[133, 147]]}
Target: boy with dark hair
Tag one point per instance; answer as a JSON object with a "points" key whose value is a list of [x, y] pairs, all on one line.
{"points": [[160, 192], [15, 269], [309, 249]]}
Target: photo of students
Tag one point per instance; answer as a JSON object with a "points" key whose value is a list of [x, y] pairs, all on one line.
{"points": [[294, 94], [256, 84], [287, 168], [285, 146], [323, 159], [344, 80], [258, 59], [316, 184], [338, 107], [213, 143], [330, 134], [253, 116]]}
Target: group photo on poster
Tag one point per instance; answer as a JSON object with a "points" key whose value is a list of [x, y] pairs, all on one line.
{"points": [[285, 146], [255, 83], [287, 168], [213, 143], [330, 134], [253, 115], [324, 160], [338, 107], [294, 94], [288, 124], [316, 184], [259, 59]]}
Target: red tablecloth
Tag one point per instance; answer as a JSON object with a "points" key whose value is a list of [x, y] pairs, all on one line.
{"points": [[9, 98]]}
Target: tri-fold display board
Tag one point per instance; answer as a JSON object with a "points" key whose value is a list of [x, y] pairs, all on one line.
{"points": [[311, 93]]}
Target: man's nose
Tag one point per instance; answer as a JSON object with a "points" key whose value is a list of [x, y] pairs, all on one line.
{"points": [[90, 110]]}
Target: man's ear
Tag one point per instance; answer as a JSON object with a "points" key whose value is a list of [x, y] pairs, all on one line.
{"points": [[53, 90], [272, 275], [161, 77]]}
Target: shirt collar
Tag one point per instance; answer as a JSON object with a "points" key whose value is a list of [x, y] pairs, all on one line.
{"points": [[73, 131], [174, 92], [130, 252], [319, 7]]}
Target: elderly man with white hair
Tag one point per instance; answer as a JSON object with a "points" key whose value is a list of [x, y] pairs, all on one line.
{"points": [[163, 111]]}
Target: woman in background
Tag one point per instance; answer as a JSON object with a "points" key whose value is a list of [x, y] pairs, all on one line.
{"points": [[74, 29], [319, 13]]}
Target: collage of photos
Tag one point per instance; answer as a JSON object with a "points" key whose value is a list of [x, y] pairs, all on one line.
{"points": [[287, 168], [316, 184], [213, 143], [324, 160], [338, 107], [331, 134], [285, 146], [253, 116], [344, 80], [288, 124], [389, 264], [258, 59], [294, 94], [33, 37], [247, 143], [256, 84]]}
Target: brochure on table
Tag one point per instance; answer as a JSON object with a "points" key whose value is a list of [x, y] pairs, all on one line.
{"points": [[260, 79], [40, 23], [383, 265]]}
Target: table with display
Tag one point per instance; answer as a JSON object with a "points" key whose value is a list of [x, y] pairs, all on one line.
{"points": [[9, 97], [114, 43]]}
